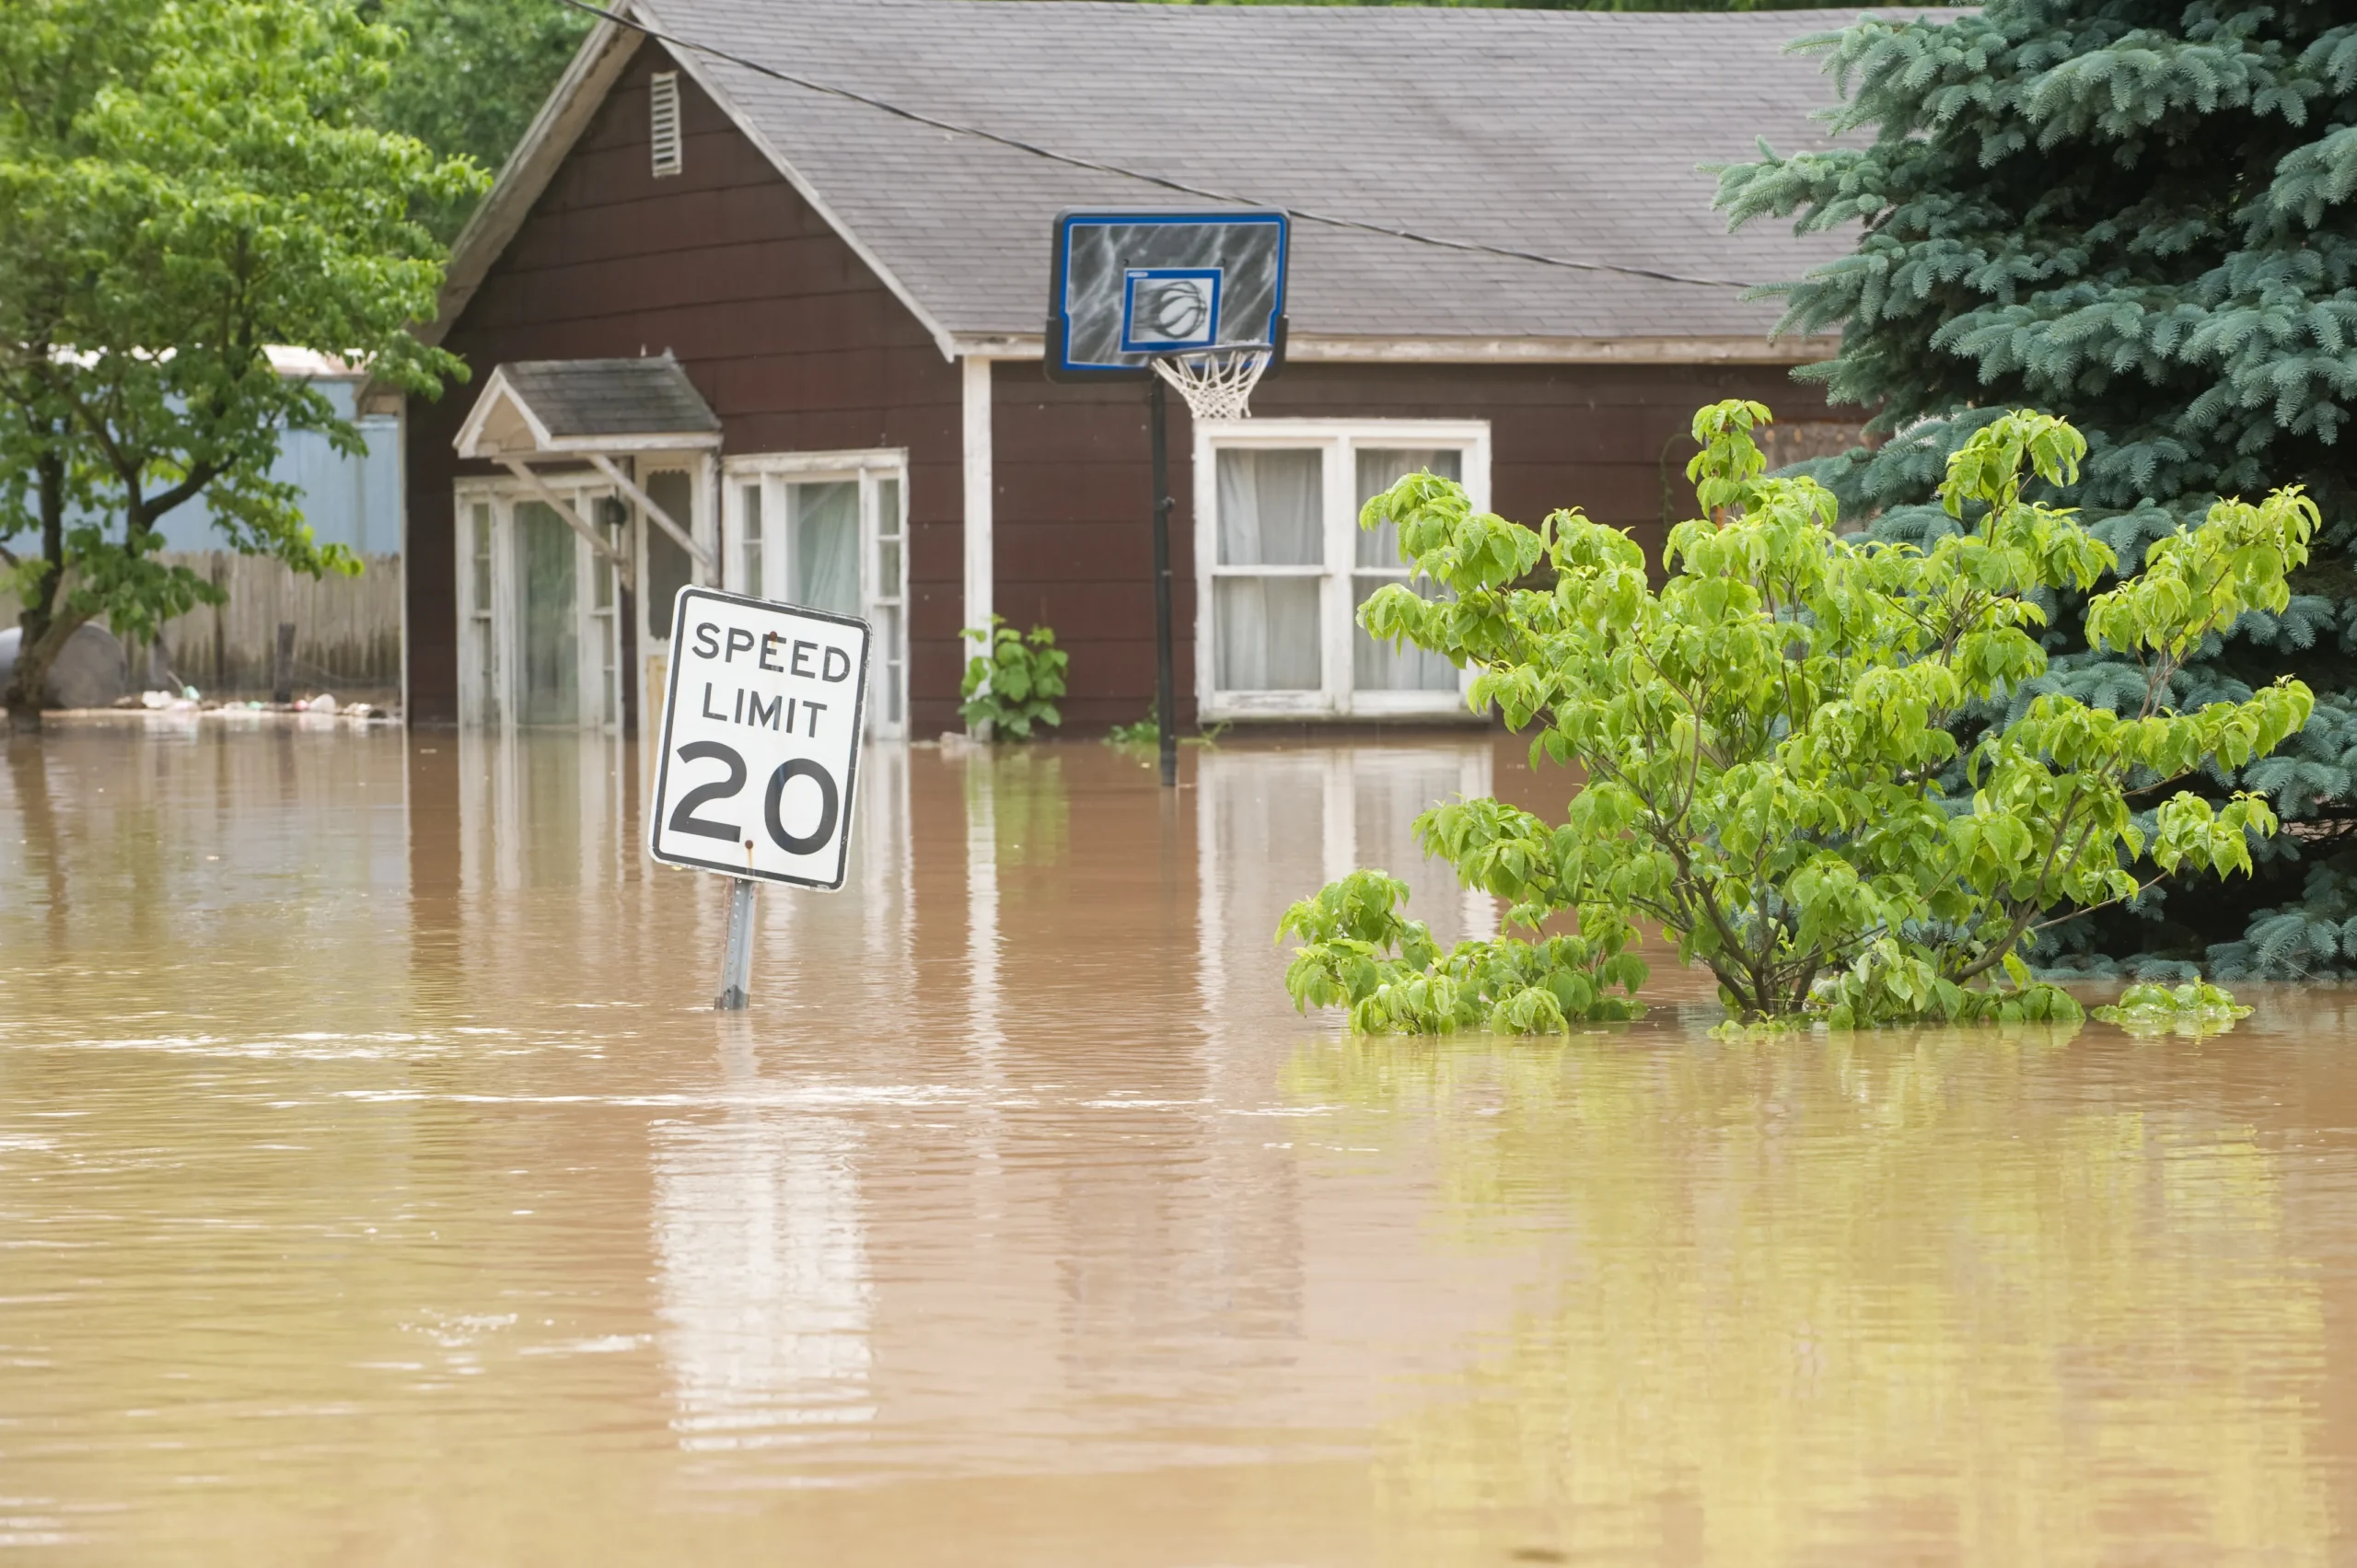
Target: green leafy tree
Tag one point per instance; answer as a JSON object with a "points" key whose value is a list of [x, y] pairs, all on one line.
{"points": [[1013, 683], [183, 186], [2141, 215], [1561, 4], [1766, 742], [474, 73]]}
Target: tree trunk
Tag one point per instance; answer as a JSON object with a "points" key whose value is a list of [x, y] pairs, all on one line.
{"points": [[44, 631]]}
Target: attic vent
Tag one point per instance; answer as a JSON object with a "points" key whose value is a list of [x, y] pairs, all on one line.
{"points": [[663, 121]]}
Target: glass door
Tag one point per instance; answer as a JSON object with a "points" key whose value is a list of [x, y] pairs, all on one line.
{"points": [[539, 626], [548, 684]]}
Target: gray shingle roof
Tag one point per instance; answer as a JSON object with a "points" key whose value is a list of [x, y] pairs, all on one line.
{"points": [[1573, 134], [611, 397]]}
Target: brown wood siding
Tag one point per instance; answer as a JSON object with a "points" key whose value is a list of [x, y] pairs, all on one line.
{"points": [[1073, 546], [796, 345]]}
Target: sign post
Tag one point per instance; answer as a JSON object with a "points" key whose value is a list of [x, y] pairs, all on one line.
{"points": [[760, 765]]}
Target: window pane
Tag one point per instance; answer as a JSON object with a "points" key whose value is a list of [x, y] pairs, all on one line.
{"points": [[1375, 667], [887, 569], [545, 550], [1379, 470], [1268, 634], [884, 668], [824, 519], [888, 509], [751, 546], [669, 568], [1272, 507], [481, 570]]}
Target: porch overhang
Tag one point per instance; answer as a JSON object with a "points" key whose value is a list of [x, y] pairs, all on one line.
{"points": [[592, 411], [573, 408]]}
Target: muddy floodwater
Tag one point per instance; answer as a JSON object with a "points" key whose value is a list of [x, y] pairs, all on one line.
{"points": [[377, 1187]]}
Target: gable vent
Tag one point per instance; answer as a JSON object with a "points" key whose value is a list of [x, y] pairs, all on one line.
{"points": [[663, 121]]}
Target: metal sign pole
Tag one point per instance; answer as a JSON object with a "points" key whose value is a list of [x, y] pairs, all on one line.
{"points": [[1165, 698], [736, 965]]}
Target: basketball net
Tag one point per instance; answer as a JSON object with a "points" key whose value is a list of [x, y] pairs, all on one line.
{"points": [[1216, 382]]}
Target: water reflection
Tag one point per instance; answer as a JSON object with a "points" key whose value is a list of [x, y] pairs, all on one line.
{"points": [[1973, 1295], [764, 1274], [372, 1168]]}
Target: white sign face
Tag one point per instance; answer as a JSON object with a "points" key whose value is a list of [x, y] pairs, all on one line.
{"points": [[760, 739]]}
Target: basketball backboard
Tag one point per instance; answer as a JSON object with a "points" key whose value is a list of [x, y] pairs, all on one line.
{"points": [[1130, 286]]}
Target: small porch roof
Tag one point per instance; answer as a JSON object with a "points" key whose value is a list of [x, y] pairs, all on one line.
{"points": [[547, 408]]}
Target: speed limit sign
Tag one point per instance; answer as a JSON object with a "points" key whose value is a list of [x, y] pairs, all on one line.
{"points": [[760, 739]]}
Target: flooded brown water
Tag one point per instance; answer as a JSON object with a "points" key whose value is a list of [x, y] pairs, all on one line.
{"points": [[376, 1187]]}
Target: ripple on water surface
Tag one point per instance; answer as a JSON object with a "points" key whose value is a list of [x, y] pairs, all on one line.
{"points": [[375, 1183]]}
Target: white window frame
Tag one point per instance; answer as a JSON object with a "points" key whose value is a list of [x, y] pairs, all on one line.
{"points": [[873, 468], [1338, 441], [491, 698]]}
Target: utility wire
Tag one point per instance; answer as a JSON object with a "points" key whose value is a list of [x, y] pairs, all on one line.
{"points": [[1034, 150]]}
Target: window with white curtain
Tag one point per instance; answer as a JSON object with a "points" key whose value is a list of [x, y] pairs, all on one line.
{"points": [[1282, 565], [826, 529]]}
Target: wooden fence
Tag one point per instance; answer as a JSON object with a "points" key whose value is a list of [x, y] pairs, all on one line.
{"points": [[347, 630]]}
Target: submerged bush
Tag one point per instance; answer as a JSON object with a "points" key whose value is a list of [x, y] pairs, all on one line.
{"points": [[1771, 778], [2195, 1008]]}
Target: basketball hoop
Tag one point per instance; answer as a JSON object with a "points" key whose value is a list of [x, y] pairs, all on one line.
{"points": [[1191, 300], [1216, 382]]}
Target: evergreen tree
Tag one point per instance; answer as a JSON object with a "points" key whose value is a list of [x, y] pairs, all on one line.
{"points": [[2141, 215]]}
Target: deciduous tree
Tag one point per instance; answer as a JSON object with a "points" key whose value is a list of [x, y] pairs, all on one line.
{"points": [[182, 187], [1771, 774]]}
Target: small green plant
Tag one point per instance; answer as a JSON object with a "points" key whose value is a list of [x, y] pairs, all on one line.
{"points": [[2195, 1009], [1146, 733], [1014, 682], [1771, 742]]}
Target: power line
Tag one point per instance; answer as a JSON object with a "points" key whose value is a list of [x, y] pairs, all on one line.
{"points": [[675, 41]]}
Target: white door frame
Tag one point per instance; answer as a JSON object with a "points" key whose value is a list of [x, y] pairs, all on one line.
{"points": [[492, 697]]}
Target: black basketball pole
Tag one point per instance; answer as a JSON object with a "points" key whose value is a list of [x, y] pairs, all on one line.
{"points": [[1166, 680]]}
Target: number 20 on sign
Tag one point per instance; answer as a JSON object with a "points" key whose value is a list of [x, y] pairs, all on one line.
{"points": [[761, 748]]}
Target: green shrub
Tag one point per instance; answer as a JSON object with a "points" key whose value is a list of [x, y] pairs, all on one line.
{"points": [[1770, 775], [1014, 682], [2195, 1008]]}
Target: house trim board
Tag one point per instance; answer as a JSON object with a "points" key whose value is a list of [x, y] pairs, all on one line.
{"points": [[979, 479]]}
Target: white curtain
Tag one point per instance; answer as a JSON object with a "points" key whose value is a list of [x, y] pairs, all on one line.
{"points": [[1377, 667], [1272, 508], [1268, 634], [825, 521], [1271, 512]]}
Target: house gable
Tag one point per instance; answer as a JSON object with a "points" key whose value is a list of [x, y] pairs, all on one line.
{"points": [[783, 329]]}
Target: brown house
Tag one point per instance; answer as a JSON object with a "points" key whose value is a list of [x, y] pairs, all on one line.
{"points": [[758, 301]]}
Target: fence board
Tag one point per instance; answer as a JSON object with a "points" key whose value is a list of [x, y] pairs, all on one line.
{"points": [[347, 630]]}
